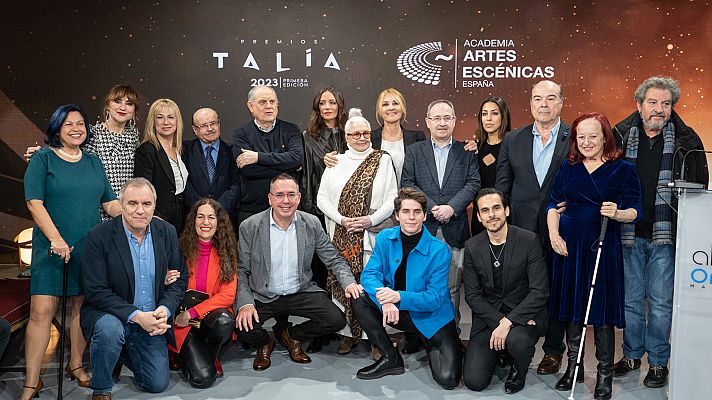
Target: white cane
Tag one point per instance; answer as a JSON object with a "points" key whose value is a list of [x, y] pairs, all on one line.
{"points": [[604, 223]]}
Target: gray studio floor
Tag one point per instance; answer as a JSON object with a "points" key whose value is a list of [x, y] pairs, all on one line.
{"points": [[330, 376]]}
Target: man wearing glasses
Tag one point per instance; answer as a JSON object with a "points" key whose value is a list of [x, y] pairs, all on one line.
{"points": [[264, 148], [449, 177], [211, 170], [275, 277], [528, 161]]}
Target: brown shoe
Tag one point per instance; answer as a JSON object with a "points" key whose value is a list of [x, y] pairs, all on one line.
{"points": [[262, 361], [550, 364], [106, 396], [346, 345], [295, 348]]}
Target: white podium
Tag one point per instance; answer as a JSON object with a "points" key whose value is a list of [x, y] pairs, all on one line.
{"points": [[691, 353]]}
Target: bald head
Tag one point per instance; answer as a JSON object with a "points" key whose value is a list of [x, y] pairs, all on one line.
{"points": [[206, 125], [546, 103]]}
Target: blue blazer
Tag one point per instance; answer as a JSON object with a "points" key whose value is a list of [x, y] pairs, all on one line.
{"points": [[461, 182], [225, 188], [108, 273], [426, 297]]}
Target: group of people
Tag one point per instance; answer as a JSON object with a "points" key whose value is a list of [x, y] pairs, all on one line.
{"points": [[356, 230]]}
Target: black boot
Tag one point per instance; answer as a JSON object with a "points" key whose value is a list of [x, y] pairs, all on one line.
{"points": [[605, 347], [573, 340], [390, 363]]}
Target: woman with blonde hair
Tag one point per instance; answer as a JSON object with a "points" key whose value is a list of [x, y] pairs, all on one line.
{"points": [[158, 159]]}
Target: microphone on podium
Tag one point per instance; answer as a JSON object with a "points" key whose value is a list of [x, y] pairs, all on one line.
{"points": [[682, 183]]}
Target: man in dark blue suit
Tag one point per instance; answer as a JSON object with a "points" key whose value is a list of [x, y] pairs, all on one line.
{"points": [[449, 176], [528, 161], [128, 302], [212, 172]]}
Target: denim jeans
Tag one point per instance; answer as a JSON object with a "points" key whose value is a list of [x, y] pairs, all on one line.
{"points": [[146, 356], [649, 272]]}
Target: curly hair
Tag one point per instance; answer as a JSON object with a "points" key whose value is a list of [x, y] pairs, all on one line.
{"points": [[223, 240]]}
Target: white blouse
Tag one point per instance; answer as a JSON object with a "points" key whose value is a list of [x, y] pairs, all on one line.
{"points": [[180, 174], [397, 151]]}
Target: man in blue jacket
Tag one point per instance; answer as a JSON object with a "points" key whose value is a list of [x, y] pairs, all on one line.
{"points": [[406, 280]]}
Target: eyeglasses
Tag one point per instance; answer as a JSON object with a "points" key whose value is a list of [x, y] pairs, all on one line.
{"points": [[446, 119], [358, 135], [280, 196], [211, 125]]}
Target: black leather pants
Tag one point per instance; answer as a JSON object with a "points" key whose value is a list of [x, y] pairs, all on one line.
{"points": [[444, 347], [204, 345]]}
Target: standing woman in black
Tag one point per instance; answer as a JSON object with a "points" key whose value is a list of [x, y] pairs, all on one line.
{"points": [[493, 123], [158, 159]]}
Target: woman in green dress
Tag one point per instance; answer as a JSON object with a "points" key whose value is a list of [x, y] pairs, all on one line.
{"points": [[64, 187]]}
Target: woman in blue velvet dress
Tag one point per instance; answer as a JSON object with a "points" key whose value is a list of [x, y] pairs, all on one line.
{"points": [[594, 183]]}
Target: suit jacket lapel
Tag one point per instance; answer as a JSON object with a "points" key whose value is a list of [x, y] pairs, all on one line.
{"points": [[301, 243], [158, 253], [559, 152], [485, 259], [429, 157], [265, 240], [507, 259], [166, 165], [528, 150], [200, 158], [452, 157], [122, 244]]}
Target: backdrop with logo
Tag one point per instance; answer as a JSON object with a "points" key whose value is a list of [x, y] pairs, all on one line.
{"points": [[211, 53]]}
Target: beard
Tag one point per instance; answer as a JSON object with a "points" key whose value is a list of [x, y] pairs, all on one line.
{"points": [[655, 126]]}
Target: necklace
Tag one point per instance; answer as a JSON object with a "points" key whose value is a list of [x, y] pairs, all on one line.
{"points": [[496, 257], [69, 156]]}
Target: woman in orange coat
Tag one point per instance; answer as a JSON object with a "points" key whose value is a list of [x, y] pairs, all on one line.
{"points": [[210, 250]]}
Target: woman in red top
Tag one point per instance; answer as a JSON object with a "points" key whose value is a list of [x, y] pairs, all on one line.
{"points": [[210, 250]]}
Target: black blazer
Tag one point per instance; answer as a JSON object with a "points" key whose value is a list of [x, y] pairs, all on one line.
{"points": [[460, 183], [409, 137], [108, 272], [524, 280], [225, 188], [153, 164], [517, 179]]}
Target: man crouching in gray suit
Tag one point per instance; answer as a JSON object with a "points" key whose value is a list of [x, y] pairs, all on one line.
{"points": [[275, 276]]}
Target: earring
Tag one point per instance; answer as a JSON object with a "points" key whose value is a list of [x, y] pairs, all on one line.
{"points": [[106, 117], [132, 122]]}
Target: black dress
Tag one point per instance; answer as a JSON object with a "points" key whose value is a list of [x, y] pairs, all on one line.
{"points": [[488, 176], [331, 139]]}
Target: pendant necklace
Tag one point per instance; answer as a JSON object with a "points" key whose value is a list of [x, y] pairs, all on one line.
{"points": [[496, 257]]}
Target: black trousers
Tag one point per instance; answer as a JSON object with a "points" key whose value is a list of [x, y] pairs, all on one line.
{"points": [[480, 360], [443, 348], [323, 317], [204, 345], [554, 338]]}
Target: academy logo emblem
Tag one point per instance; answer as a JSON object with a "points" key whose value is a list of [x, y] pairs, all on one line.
{"points": [[413, 63]]}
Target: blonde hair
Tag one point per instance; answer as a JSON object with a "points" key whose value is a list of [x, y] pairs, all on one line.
{"points": [[149, 134], [395, 93]]}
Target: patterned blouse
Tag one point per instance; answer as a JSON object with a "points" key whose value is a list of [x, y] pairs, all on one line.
{"points": [[116, 151]]}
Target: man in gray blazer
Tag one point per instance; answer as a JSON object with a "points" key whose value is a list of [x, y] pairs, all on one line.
{"points": [[275, 276], [449, 176], [528, 161]]}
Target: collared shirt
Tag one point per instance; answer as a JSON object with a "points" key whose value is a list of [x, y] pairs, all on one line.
{"points": [[268, 129], [284, 273], [144, 266], [441, 154], [215, 145], [543, 153]]}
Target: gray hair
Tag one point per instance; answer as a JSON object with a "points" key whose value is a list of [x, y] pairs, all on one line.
{"points": [[136, 182], [355, 117], [658, 82], [251, 93], [436, 102]]}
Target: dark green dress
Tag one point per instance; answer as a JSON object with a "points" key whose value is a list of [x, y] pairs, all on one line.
{"points": [[72, 193]]}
